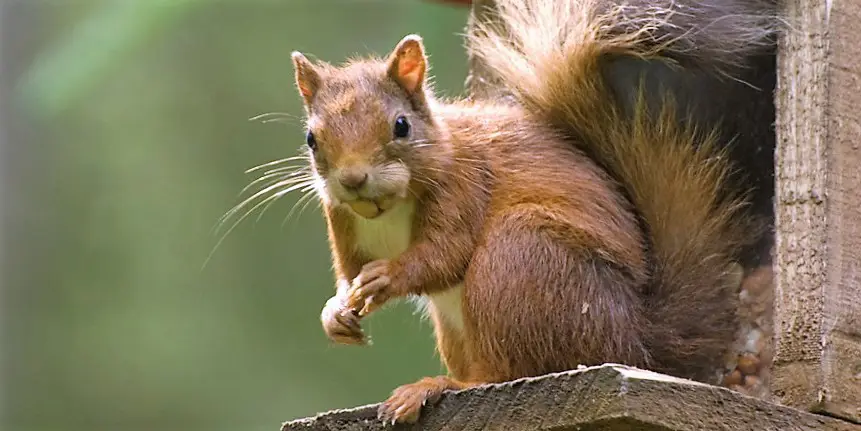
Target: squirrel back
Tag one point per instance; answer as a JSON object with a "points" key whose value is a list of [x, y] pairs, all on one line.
{"points": [[549, 56]]}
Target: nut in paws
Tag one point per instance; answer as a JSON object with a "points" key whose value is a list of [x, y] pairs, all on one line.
{"points": [[371, 288]]}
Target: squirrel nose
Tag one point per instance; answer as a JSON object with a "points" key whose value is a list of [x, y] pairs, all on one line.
{"points": [[353, 180]]}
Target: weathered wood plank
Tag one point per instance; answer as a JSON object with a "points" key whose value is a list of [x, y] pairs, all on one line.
{"points": [[607, 397], [817, 363]]}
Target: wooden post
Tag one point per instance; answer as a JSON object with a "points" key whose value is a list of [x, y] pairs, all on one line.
{"points": [[609, 397], [817, 363]]}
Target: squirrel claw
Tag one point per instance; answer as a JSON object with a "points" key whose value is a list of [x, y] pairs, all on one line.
{"points": [[371, 305], [406, 402]]}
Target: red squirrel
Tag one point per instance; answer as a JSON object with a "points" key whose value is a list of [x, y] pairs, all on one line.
{"points": [[563, 229]]}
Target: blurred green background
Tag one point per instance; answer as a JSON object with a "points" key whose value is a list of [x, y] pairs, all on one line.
{"points": [[125, 136]]}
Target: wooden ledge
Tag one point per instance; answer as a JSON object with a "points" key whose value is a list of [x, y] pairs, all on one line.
{"points": [[606, 397]]}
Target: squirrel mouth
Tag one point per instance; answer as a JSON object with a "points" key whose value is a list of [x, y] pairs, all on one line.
{"points": [[371, 209]]}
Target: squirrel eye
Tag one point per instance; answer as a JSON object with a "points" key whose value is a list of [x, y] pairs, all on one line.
{"points": [[311, 141], [402, 127]]}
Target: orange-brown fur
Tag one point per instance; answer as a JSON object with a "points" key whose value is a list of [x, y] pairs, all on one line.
{"points": [[579, 236]]}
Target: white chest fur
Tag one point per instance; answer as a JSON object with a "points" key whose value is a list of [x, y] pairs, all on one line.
{"points": [[447, 306], [389, 235]]}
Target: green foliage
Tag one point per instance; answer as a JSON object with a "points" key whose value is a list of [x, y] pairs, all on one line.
{"points": [[141, 111], [107, 37]]}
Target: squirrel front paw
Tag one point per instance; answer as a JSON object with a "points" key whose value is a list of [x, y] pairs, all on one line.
{"points": [[371, 288], [340, 323]]}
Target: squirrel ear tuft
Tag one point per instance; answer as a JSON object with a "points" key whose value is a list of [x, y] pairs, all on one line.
{"points": [[407, 64], [307, 78]]}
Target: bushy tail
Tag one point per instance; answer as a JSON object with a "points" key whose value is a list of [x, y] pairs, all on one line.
{"points": [[548, 55]]}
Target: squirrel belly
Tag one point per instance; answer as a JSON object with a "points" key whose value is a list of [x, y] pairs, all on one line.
{"points": [[563, 230], [557, 265]]}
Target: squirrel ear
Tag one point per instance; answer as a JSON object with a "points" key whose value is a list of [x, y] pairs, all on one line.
{"points": [[407, 64], [307, 78]]}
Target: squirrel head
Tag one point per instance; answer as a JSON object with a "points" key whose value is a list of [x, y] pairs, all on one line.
{"points": [[370, 131]]}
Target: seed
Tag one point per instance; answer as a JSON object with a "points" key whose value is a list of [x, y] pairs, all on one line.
{"points": [[733, 379], [748, 364]]}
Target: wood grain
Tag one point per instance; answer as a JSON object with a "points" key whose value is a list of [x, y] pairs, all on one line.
{"points": [[817, 363]]}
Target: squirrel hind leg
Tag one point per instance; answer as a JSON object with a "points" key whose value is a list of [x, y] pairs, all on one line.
{"points": [[534, 305], [406, 402]]}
